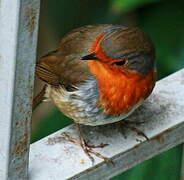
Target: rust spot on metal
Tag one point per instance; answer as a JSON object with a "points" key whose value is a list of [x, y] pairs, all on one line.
{"points": [[21, 145], [31, 19], [17, 123], [160, 138], [82, 161], [21, 123]]}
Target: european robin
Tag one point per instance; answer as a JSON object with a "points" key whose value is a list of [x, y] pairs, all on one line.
{"points": [[100, 73]]}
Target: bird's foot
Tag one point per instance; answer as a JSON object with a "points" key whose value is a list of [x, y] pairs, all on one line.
{"points": [[88, 149], [131, 125]]}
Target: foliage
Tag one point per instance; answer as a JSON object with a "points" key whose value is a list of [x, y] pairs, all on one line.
{"points": [[129, 5]]}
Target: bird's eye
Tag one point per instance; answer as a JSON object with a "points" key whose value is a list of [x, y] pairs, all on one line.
{"points": [[120, 63]]}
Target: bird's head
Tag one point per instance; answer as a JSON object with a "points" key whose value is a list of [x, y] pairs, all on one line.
{"points": [[123, 50]]}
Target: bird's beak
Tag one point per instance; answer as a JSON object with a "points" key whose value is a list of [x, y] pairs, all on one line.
{"points": [[91, 56]]}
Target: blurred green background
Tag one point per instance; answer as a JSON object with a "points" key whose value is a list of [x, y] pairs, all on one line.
{"points": [[162, 20]]}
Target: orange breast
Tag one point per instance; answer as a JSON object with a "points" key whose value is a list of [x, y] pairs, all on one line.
{"points": [[119, 92]]}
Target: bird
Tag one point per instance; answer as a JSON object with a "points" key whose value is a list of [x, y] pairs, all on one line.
{"points": [[99, 74]]}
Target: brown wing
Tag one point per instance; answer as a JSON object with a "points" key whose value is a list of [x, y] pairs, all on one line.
{"points": [[63, 66]]}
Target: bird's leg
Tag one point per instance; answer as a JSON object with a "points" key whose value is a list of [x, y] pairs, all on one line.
{"points": [[39, 98], [102, 145], [131, 125], [86, 147]]}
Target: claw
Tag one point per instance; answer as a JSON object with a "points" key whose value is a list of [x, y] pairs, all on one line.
{"points": [[87, 148], [129, 125]]}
